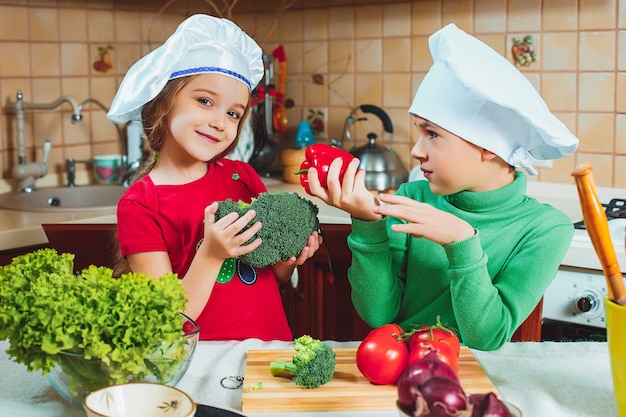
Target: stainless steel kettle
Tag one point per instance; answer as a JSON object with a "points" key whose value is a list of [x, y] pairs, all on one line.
{"points": [[383, 168]]}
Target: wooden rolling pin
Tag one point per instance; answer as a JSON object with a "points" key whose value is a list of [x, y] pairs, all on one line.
{"points": [[597, 227]]}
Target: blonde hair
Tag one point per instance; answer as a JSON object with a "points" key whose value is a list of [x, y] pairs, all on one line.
{"points": [[155, 122]]}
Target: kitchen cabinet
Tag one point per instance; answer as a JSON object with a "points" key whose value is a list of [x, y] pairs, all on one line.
{"points": [[91, 243], [6, 256], [320, 305]]}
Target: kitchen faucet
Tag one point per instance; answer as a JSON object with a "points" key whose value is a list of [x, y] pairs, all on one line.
{"points": [[70, 166], [128, 167], [27, 173], [24, 172], [350, 120]]}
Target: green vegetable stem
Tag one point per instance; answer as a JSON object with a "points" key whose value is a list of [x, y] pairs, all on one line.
{"points": [[313, 364]]}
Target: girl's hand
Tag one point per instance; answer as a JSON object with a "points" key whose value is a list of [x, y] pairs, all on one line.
{"points": [[349, 195], [313, 244], [222, 239], [424, 220], [284, 269]]}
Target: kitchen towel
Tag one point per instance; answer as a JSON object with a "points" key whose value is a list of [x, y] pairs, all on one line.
{"points": [[553, 379]]}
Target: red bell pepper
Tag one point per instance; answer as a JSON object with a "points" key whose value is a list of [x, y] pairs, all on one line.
{"points": [[320, 156]]}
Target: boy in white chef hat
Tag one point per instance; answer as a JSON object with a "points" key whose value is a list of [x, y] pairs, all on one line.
{"points": [[192, 95], [467, 245]]}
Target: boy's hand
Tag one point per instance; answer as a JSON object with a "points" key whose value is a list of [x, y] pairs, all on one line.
{"points": [[350, 195], [424, 220]]}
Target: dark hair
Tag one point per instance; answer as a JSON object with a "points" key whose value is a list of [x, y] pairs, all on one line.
{"points": [[154, 115]]}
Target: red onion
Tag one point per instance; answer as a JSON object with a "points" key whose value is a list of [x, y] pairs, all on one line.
{"points": [[417, 374], [488, 405], [444, 397]]}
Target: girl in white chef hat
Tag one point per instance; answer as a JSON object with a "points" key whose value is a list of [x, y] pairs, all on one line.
{"points": [[467, 245], [192, 95]]}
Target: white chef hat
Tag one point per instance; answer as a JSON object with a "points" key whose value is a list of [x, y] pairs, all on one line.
{"points": [[476, 94], [201, 44]]}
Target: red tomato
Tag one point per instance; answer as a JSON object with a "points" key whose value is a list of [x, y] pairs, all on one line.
{"points": [[439, 333], [382, 355], [420, 349]]}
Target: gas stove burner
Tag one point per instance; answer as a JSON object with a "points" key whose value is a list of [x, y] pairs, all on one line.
{"points": [[616, 209]]}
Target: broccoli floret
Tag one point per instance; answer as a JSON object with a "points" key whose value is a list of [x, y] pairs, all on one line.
{"points": [[288, 221], [312, 365]]}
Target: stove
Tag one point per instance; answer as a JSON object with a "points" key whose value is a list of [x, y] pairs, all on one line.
{"points": [[615, 209], [573, 306]]}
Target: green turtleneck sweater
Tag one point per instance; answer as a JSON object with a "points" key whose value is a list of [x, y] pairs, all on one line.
{"points": [[484, 286]]}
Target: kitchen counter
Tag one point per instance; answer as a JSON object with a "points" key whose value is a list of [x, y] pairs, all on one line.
{"points": [[21, 229], [546, 379]]}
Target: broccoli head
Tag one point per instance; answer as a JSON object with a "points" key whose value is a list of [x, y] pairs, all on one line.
{"points": [[288, 221], [312, 365]]}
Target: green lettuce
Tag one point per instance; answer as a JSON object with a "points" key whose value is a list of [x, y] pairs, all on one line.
{"points": [[118, 328]]}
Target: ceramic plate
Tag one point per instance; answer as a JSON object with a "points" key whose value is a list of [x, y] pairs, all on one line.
{"points": [[208, 411]]}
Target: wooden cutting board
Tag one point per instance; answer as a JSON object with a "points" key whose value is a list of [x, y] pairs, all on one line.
{"points": [[348, 390]]}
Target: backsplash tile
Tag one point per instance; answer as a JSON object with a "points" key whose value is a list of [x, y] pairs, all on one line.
{"points": [[43, 24], [341, 23], [559, 15], [73, 25], [101, 26], [596, 91], [490, 16], [340, 54], [559, 51], [397, 20], [459, 12], [524, 16], [369, 55], [316, 25], [592, 50], [559, 90], [596, 132], [13, 23], [368, 22], [15, 61], [619, 174], [45, 59], [597, 14], [426, 17], [75, 59], [394, 55]]}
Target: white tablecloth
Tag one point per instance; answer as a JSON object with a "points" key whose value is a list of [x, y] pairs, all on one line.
{"points": [[543, 379]]}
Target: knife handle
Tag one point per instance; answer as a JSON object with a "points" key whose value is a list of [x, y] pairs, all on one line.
{"points": [[597, 227]]}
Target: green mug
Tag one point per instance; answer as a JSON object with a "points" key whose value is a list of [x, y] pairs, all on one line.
{"points": [[107, 168], [616, 338]]}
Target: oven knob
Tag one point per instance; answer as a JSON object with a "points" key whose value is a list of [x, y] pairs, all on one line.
{"points": [[586, 303]]}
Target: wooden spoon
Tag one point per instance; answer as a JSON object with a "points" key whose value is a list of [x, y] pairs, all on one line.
{"points": [[597, 227]]}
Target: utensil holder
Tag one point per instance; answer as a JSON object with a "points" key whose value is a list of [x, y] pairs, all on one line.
{"points": [[616, 338], [291, 160]]}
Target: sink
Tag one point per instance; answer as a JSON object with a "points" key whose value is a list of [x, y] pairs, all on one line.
{"points": [[64, 199]]}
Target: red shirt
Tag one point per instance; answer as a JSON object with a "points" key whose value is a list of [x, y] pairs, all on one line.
{"points": [[169, 218]]}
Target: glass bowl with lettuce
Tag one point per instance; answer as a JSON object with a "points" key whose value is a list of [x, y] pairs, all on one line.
{"points": [[90, 330]]}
